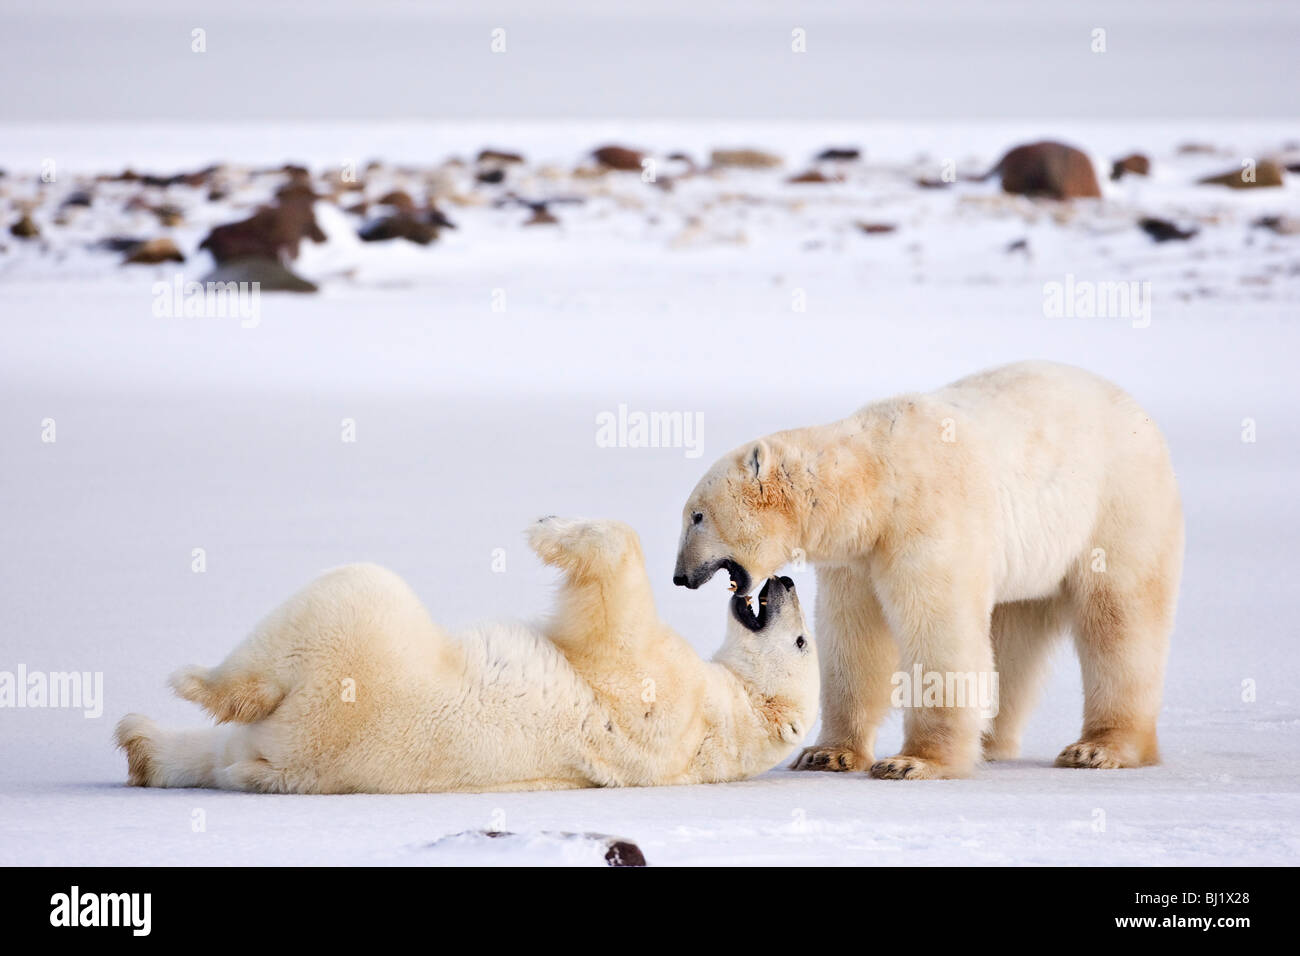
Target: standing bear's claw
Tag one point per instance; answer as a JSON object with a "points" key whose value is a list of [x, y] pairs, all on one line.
{"points": [[906, 768], [833, 759]]}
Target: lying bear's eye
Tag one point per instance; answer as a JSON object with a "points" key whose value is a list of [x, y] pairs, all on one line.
{"points": [[799, 642], [697, 518]]}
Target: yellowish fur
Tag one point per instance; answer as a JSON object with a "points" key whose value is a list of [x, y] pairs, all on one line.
{"points": [[350, 686], [960, 531]]}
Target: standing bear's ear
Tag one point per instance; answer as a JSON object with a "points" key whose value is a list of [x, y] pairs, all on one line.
{"points": [[758, 460]]}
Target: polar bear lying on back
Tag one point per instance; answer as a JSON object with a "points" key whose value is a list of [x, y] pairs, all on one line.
{"points": [[955, 534], [350, 687]]}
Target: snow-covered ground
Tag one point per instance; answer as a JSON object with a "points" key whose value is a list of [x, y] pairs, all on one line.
{"points": [[184, 433]]}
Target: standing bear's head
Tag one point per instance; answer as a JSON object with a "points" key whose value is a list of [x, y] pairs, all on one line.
{"points": [[742, 516]]}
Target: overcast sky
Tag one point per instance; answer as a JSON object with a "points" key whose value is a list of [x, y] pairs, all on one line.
{"points": [[74, 60]]}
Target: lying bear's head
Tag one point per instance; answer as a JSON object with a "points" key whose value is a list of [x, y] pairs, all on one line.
{"points": [[770, 648], [742, 517]]}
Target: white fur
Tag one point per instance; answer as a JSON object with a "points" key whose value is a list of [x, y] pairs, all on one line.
{"points": [[962, 530], [604, 694]]}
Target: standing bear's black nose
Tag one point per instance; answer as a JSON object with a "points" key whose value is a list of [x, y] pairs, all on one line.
{"points": [[679, 580]]}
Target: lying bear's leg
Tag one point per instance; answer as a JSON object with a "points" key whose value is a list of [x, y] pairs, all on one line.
{"points": [[1122, 635], [858, 656], [942, 621], [1023, 632], [606, 593]]}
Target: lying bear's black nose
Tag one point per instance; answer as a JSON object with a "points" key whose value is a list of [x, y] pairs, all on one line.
{"points": [[679, 580]]}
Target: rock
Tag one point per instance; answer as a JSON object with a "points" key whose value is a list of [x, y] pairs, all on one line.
{"points": [[744, 159], [153, 251], [1052, 170], [492, 177], [541, 217], [839, 154], [270, 233], [402, 225], [613, 850], [1134, 163], [270, 275], [1162, 230], [1282, 225], [618, 157], [80, 197], [931, 183], [815, 176], [1266, 173], [1018, 245], [118, 243], [399, 199], [499, 156], [876, 228], [25, 228], [168, 215]]}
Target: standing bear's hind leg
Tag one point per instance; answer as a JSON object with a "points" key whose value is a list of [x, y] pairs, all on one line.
{"points": [[1023, 633], [1122, 625]]}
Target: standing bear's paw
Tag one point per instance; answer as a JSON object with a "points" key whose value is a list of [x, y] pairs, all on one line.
{"points": [[903, 767], [580, 545], [1103, 755], [831, 758]]}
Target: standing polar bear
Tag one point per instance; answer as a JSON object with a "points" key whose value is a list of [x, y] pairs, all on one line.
{"points": [[350, 687], [957, 533]]}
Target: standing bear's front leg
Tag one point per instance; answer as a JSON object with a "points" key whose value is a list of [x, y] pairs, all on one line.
{"points": [[858, 657], [942, 620]]}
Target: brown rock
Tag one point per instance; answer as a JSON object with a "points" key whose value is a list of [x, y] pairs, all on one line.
{"points": [[399, 199], [541, 217], [744, 159], [153, 251], [499, 156], [402, 225], [618, 157], [1134, 163], [1265, 174], [270, 233], [815, 176], [876, 228], [1053, 170], [25, 228], [168, 215], [1282, 225]]}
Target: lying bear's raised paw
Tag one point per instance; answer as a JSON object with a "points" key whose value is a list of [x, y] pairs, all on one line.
{"points": [[834, 759]]}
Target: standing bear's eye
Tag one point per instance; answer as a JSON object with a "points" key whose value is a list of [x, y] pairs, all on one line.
{"points": [[799, 642], [697, 518]]}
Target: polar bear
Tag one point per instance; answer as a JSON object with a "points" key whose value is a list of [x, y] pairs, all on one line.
{"points": [[958, 532], [349, 686]]}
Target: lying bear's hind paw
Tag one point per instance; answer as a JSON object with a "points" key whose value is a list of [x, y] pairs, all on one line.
{"points": [[833, 759]]}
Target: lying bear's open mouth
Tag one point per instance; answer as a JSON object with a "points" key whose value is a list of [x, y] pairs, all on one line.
{"points": [[756, 617]]}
